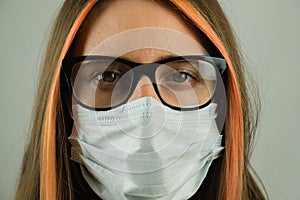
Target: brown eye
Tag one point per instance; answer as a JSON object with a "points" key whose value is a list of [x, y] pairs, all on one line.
{"points": [[108, 76], [180, 77]]}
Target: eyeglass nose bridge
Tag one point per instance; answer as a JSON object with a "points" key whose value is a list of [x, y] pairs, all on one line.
{"points": [[141, 70]]}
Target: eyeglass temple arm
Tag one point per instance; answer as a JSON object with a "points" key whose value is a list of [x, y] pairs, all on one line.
{"points": [[221, 64]]}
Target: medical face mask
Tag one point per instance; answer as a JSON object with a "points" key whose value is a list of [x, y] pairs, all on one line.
{"points": [[145, 150]]}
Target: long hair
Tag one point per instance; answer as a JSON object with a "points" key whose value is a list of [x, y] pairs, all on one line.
{"points": [[47, 172]]}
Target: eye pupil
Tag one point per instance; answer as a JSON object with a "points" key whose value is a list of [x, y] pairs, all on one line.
{"points": [[108, 77], [180, 77]]}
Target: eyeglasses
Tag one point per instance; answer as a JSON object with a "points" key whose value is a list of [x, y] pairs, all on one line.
{"points": [[104, 82]]}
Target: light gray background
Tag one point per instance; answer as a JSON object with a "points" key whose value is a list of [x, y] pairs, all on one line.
{"points": [[268, 32]]}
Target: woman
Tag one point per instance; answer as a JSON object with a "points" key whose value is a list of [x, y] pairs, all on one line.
{"points": [[66, 158]]}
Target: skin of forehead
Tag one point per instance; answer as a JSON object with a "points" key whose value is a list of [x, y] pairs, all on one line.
{"points": [[151, 30]]}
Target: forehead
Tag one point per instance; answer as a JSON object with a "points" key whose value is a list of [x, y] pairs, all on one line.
{"points": [[142, 29]]}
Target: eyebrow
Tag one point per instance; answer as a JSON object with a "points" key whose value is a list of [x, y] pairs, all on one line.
{"points": [[160, 58], [167, 56]]}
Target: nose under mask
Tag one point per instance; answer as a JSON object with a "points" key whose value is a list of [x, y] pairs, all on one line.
{"points": [[145, 150]]}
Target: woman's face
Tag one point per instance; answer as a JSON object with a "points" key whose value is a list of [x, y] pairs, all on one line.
{"points": [[135, 48], [141, 31]]}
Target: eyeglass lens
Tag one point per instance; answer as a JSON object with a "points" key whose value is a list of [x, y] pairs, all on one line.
{"points": [[181, 83]]}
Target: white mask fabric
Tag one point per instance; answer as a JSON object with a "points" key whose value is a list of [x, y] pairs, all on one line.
{"points": [[144, 149]]}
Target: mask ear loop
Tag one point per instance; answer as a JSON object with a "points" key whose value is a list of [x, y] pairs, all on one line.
{"points": [[48, 157], [234, 130]]}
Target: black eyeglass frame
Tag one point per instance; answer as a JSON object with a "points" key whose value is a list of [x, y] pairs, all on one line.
{"points": [[69, 63]]}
